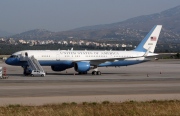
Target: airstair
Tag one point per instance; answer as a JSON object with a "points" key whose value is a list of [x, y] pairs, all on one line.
{"points": [[34, 64]]}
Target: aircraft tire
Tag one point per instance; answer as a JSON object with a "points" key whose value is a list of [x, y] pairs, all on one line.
{"points": [[93, 72], [98, 73], [32, 75]]}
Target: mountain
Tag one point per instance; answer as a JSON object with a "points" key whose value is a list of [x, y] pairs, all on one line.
{"points": [[4, 33], [35, 34], [133, 29], [170, 19]]}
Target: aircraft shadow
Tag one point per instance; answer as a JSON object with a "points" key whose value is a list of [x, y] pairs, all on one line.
{"points": [[82, 74], [89, 74]]}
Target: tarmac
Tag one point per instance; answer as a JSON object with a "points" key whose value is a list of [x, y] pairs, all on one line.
{"points": [[154, 80]]}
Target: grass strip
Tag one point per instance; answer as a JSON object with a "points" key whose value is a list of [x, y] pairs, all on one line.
{"points": [[129, 108]]}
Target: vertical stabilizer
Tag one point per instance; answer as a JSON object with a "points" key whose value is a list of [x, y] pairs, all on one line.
{"points": [[149, 42]]}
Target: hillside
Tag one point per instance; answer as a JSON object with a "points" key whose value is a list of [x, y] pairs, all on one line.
{"points": [[170, 19], [36, 34]]}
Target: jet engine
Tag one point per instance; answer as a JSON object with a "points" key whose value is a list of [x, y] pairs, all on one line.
{"points": [[82, 66]]}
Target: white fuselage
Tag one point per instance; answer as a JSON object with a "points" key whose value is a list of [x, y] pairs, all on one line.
{"points": [[73, 55]]}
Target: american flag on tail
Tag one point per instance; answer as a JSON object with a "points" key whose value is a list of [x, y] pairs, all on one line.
{"points": [[153, 38]]}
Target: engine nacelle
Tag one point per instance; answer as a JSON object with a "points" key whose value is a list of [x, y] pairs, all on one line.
{"points": [[58, 68], [81, 66]]}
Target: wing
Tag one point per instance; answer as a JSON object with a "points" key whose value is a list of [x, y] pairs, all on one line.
{"points": [[102, 60]]}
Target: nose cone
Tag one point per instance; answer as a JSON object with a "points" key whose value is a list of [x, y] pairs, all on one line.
{"points": [[8, 61], [12, 61]]}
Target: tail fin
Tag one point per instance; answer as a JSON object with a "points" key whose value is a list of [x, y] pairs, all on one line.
{"points": [[149, 42]]}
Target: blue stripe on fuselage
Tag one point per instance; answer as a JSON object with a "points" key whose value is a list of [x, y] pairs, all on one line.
{"points": [[55, 63]]}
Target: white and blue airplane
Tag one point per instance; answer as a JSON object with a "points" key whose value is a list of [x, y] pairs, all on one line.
{"points": [[85, 60]]}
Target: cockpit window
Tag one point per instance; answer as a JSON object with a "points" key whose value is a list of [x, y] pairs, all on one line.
{"points": [[13, 56]]}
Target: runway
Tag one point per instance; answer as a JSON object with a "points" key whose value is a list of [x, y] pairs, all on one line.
{"points": [[152, 80]]}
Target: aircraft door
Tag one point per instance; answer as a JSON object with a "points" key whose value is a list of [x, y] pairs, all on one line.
{"points": [[26, 54], [23, 54], [57, 57]]}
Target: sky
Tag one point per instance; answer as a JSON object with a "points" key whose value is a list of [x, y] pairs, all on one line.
{"points": [[18, 16]]}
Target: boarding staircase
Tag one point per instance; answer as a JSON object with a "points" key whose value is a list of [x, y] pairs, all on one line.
{"points": [[32, 62]]}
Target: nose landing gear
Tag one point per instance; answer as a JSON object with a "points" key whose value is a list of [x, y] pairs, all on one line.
{"points": [[26, 71]]}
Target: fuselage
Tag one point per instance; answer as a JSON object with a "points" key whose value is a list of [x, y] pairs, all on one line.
{"points": [[67, 57]]}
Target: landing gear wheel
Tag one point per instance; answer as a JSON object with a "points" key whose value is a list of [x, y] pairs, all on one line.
{"points": [[26, 72], [32, 75], [93, 72], [42, 75], [98, 73]]}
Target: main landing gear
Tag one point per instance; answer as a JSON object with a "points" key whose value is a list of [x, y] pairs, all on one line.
{"points": [[93, 73], [96, 73]]}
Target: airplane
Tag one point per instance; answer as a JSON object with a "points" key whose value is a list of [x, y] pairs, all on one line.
{"points": [[84, 60]]}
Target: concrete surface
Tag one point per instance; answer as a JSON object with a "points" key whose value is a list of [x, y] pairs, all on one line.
{"points": [[152, 80]]}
